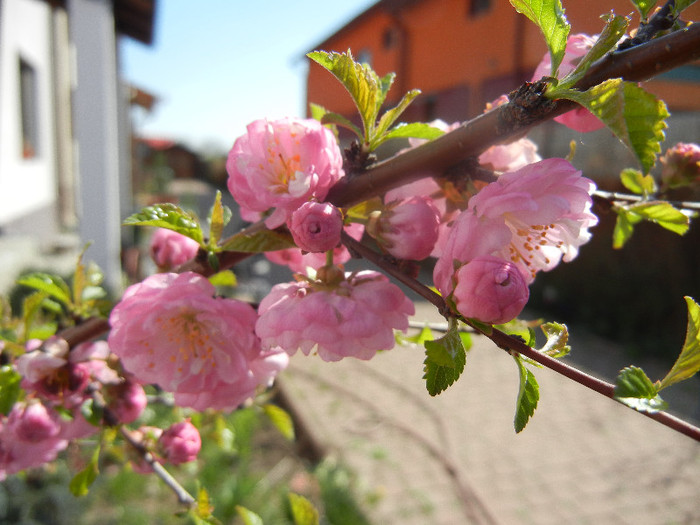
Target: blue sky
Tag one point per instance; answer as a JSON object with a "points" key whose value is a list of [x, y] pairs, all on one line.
{"points": [[217, 65]]}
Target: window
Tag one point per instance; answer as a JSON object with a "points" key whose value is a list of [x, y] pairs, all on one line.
{"points": [[29, 110], [478, 7]]}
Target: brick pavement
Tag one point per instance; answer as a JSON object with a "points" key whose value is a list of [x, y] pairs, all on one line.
{"points": [[456, 459]]}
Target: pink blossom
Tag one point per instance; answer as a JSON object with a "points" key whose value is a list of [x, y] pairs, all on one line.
{"points": [[29, 437], [578, 45], [170, 249], [316, 226], [354, 319], [510, 157], [681, 165], [180, 443], [171, 331], [282, 164], [490, 289], [532, 217], [299, 262], [407, 229]]}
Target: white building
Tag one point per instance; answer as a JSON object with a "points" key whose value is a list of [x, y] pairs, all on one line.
{"points": [[64, 146]]}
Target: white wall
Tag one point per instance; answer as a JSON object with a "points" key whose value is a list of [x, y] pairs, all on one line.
{"points": [[26, 185]]}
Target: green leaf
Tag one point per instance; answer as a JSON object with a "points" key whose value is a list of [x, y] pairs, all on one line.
{"points": [[340, 120], [414, 130], [635, 116], [80, 484], [663, 214], [203, 508], [688, 363], [614, 30], [262, 241], [219, 216], [303, 511], [426, 334], [557, 339], [223, 278], [549, 16], [528, 396], [644, 6], [390, 116], [9, 388], [637, 183], [680, 5], [367, 90], [281, 419], [624, 226], [52, 285], [170, 216], [519, 329], [444, 361], [248, 516], [92, 412], [634, 389]]}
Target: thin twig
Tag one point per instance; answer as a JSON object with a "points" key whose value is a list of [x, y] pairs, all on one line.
{"points": [[615, 196], [184, 497]]}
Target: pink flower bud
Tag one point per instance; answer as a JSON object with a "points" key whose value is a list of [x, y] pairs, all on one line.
{"points": [[491, 290], [180, 443], [407, 229], [126, 400], [681, 165], [33, 423], [316, 226], [170, 249]]}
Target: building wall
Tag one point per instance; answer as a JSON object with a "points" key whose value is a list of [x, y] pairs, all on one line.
{"points": [[27, 175]]}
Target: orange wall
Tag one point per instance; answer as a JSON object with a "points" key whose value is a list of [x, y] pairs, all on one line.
{"points": [[445, 47]]}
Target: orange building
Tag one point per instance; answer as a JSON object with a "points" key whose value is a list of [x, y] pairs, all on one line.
{"points": [[464, 53]]}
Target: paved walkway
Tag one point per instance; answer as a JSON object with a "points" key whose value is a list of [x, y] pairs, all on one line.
{"points": [[455, 458]]}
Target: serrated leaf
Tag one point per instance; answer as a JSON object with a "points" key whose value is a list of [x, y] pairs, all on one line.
{"points": [[223, 278], [9, 388], [413, 130], [203, 508], [549, 16], [258, 242], [624, 227], [688, 362], [303, 511], [80, 484], [635, 116], [390, 116], [615, 28], [426, 334], [367, 90], [444, 361], [663, 214], [557, 339], [281, 419], [219, 216], [248, 516], [519, 329], [637, 183], [52, 285], [634, 389], [528, 396], [644, 6], [340, 120], [170, 216]]}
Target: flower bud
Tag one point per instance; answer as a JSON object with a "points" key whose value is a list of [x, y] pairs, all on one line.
{"points": [[126, 400], [33, 423], [407, 229], [180, 443], [316, 226], [490, 289], [170, 249], [681, 165]]}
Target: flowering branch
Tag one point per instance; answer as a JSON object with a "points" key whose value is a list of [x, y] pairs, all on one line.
{"points": [[511, 343], [514, 119]]}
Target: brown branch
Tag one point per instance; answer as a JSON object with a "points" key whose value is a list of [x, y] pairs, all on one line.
{"points": [[513, 344], [499, 125]]}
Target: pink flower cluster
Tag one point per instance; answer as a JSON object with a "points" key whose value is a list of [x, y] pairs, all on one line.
{"points": [[55, 379], [354, 318], [681, 165], [170, 330], [530, 218], [282, 164]]}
